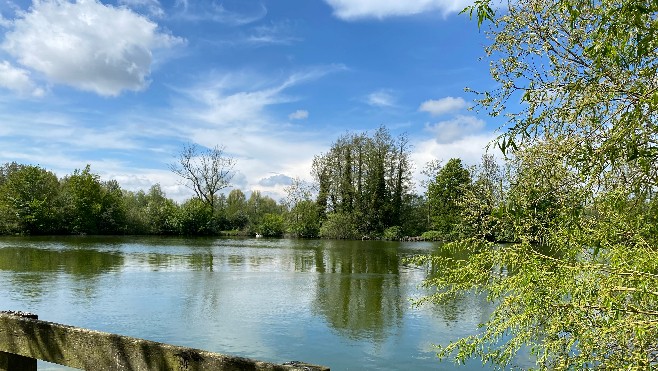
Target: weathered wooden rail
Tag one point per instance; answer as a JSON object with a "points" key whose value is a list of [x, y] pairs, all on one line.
{"points": [[24, 339]]}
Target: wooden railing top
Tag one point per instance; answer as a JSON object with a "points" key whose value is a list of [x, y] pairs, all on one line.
{"points": [[94, 350]]}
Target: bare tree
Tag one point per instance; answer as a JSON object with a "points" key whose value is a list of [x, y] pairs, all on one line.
{"points": [[205, 171]]}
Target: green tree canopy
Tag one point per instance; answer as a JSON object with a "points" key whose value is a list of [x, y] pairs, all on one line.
{"points": [[83, 201], [303, 217], [367, 177], [445, 194], [29, 200]]}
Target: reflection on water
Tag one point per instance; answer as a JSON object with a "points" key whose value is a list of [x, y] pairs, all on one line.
{"points": [[35, 268], [340, 303], [359, 291], [79, 262]]}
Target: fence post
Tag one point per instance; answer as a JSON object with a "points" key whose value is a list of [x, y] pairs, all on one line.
{"points": [[14, 362]]}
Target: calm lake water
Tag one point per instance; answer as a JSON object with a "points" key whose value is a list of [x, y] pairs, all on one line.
{"points": [[343, 304]]}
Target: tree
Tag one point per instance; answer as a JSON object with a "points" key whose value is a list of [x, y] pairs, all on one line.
{"points": [[150, 213], [195, 218], [257, 207], [112, 219], [367, 177], [160, 211], [302, 218], [236, 209], [29, 200], [413, 215], [82, 194], [483, 205], [445, 195], [205, 171], [7, 169], [272, 225], [582, 295], [340, 226]]}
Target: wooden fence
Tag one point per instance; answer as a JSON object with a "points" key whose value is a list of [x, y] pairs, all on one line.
{"points": [[24, 339]]}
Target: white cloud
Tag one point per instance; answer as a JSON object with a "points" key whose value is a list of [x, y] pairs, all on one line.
{"points": [[450, 131], [469, 149], [233, 109], [241, 98], [273, 33], [442, 106], [153, 7], [244, 13], [18, 80], [87, 45], [274, 180], [219, 105], [4, 22], [359, 9], [298, 115], [381, 98]]}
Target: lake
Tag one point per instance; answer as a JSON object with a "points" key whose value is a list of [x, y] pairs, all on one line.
{"points": [[342, 304]]}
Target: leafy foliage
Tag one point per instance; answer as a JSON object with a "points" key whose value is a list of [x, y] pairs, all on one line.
{"points": [[272, 225], [579, 287], [393, 233], [445, 195], [340, 226], [29, 200], [368, 177]]}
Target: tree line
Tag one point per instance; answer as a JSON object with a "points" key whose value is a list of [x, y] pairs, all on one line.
{"points": [[362, 189], [35, 201]]}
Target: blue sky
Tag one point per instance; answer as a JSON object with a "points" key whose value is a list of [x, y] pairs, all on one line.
{"points": [[123, 85]]}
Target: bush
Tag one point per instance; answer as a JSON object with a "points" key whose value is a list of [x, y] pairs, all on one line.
{"points": [[273, 225], [393, 233], [339, 226], [194, 218], [432, 236]]}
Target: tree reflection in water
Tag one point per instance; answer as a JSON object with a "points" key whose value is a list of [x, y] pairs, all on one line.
{"points": [[358, 290]]}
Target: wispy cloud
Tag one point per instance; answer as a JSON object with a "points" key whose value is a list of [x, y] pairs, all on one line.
{"points": [[443, 105], [455, 129], [235, 98], [217, 12], [237, 110], [274, 33], [358, 9], [69, 43], [381, 98], [298, 115], [152, 7]]}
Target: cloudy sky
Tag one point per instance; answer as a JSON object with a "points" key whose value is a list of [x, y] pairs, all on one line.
{"points": [[123, 85]]}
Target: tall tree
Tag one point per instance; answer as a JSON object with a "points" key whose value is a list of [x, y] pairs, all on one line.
{"points": [[258, 206], [445, 194], [367, 177], [205, 171]]}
